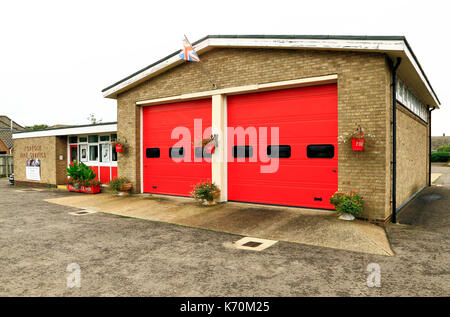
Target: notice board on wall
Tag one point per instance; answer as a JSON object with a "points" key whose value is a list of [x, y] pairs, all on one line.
{"points": [[33, 169]]}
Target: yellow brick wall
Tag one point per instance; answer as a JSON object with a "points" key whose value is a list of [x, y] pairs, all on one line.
{"points": [[61, 165], [412, 154], [363, 98], [43, 148]]}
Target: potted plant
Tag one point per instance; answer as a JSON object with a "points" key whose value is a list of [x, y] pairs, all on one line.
{"points": [[81, 178], [120, 186], [357, 138], [120, 145], [206, 192], [347, 204]]}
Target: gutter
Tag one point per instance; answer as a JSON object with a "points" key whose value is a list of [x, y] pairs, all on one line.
{"points": [[394, 140], [429, 146]]}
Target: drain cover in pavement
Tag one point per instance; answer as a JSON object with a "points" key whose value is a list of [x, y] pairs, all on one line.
{"points": [[82, 212], [254, 244], [429, 197]]}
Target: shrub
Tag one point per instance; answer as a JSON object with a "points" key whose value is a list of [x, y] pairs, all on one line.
{"points": [[440, 156], [205, 191], [444, 148], [350, 203], [117, 183], [79, 174]]}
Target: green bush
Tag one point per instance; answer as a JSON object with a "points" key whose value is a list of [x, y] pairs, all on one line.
{"points": [[79, 174], [349, 203], [440, 156], [444, 148]]}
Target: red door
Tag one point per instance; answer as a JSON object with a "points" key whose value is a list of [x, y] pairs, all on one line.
{"points": [[73, 152], [162, 174], [307, 148]]}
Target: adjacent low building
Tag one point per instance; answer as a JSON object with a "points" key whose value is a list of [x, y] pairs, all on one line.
{"points": [[41, 157]]}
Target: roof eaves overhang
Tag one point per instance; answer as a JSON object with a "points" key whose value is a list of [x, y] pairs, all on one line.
{"points": [[106, 127], [393, 46]]}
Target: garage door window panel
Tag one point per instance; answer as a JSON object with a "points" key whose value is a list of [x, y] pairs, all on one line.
{"points": [[176, 152], [320, 151], [279, 151], [242, 151], [153, 152]]}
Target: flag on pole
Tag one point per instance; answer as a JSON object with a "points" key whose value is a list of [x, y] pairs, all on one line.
{"points": [[188, 53]]}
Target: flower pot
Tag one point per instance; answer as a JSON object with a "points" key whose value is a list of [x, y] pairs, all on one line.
{"points": [[216, 194], [348, 217], [125, 187], [119, 147], [93, 189], [72, 188], [357, 144]]}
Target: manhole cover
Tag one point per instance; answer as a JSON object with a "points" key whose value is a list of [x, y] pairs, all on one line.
{"points": [[252, 244], [82, 212], [429, 197]]}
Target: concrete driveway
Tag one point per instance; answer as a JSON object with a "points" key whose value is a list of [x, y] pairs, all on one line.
{"points": [[130, 257], [301, 225]]}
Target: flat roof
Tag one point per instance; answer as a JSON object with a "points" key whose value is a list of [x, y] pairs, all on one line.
{"points": [[103, 127], [394, 46]]}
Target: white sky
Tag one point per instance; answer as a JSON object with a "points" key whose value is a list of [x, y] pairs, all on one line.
{"points": [[57, 56]]}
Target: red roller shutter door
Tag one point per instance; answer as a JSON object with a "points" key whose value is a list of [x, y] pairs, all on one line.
{"points": [[161, 175], [305, 116]]}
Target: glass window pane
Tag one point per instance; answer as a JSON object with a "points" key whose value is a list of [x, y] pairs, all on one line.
{"points": [[73, 139], [83, 153], [104, 138], [114, 154], [152, 152], [280, 151], [114, 137], [93, 152], [82, 139], [73, 153], [176, 152], [104, 151], [93, 138], [199, 152], [242, 151], [320, 151]]}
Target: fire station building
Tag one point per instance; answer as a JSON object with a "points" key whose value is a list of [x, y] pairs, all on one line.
{"points": [[289, 98]]}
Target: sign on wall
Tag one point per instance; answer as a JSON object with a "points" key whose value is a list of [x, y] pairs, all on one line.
{"points": [[33, 169]]}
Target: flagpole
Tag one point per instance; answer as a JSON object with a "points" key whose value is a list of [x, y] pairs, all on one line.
{"points": [[203, 66]]}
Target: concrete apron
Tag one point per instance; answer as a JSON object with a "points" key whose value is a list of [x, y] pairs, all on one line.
{"points": [[299, 225]]}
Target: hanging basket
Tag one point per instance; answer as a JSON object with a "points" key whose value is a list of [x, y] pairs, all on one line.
{"points": [[119, 148], [357, 144]]}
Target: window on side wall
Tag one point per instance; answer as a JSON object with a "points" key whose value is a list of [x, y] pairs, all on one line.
{"points": [[93, 152]]}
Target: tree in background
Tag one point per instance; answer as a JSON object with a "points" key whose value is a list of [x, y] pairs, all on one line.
{"points": [[36, 127]]}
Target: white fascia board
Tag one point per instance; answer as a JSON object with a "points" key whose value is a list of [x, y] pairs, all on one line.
{"points": [[68, 131], [375, 45]]}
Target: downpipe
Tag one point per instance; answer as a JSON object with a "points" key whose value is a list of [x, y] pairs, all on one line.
{"points": [[394, 140], [429, 145]]}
